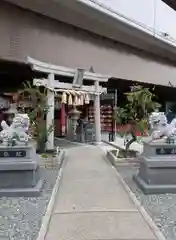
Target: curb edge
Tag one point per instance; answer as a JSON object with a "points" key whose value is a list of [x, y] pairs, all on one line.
{"points": [[141, 209], [159, 235], [46, 218]]}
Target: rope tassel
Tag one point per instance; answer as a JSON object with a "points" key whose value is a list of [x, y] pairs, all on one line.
{"points": [[87, 99], [70, 100], [64, 98], [82, 100], [76, 101]]}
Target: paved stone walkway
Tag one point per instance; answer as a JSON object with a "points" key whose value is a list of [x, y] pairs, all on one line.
{"points": [[91, 203]]}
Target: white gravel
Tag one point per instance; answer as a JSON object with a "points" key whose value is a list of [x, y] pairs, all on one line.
{"points": [[161, 207], [20, 218]]}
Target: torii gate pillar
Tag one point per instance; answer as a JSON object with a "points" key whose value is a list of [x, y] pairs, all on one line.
{"points": [[50, 114], [97, 115]]}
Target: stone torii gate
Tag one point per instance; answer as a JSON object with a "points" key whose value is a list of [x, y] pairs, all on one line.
{"points": [[54, 86]]}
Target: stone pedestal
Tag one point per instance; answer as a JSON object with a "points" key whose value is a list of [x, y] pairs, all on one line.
{"points": [[19, 172], [157, 172]]}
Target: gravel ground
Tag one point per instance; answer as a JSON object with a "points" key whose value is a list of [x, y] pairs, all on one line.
{"points": [[20, 218], [161, 207]]}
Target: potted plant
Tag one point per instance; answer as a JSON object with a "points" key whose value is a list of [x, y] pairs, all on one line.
{"points": [[140, 103]]}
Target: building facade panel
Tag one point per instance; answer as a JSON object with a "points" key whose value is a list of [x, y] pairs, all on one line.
{"points": [[152, 16], [27, 34], [135, 14]]}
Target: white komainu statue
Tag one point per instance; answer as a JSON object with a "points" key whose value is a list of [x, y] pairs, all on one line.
{"points": [[16, 133], [160, 127]]}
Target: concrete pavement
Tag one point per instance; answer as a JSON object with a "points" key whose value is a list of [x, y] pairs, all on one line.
{"points": [[91, 203]]}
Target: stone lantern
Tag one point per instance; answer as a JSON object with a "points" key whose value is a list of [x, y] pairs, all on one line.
{"points": [[74, 116]]}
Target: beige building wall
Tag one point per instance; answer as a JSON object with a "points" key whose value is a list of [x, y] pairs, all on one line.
{"points": [[25, 33]]}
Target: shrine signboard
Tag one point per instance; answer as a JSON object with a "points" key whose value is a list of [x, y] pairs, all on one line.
{"points": [[12, 154], [166, 151]]}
